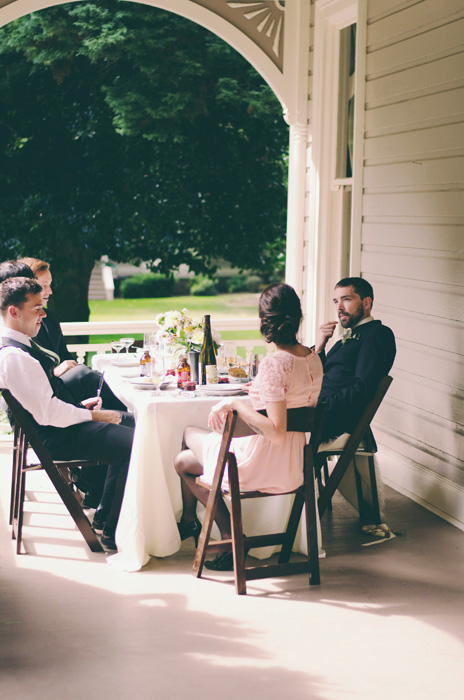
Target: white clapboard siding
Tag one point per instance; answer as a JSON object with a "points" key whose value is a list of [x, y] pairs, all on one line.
{"points": [[438, 302], [428, 236], [412, 239], [417, 79], [415, 173], [432, 265], [422, 141], [415, 453], [411, 114], [440, 42], [390, 20], [415, 327]]}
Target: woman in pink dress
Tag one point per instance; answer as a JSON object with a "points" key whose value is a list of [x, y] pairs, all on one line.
{"points": [[272, 459]]}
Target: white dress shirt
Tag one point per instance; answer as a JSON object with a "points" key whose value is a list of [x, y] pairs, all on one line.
{"points": [[24, 376]]}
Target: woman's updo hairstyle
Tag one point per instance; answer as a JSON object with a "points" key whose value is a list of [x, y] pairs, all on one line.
{"points": [[280, 314]]}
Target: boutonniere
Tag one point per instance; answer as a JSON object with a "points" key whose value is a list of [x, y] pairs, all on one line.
{"points": [[349, 335]]}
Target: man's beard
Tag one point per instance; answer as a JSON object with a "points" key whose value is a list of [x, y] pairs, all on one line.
{"points": [[350, 320]]}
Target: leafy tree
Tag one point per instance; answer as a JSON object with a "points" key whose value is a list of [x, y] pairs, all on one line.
{"points": [[135, 133]]}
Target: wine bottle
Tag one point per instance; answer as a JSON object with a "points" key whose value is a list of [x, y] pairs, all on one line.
{"points": [[145, 364], [208, 356], [183, 372]]}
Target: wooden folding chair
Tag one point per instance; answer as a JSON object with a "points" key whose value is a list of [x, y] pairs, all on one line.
{"points": [[305, 420], [25, 436], [360, 443]]}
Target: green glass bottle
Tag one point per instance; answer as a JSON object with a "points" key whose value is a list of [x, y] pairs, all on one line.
{"points": [[208, 356]]}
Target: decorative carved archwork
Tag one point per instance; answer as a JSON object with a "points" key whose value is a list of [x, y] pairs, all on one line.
{"points": [[261, 21]]}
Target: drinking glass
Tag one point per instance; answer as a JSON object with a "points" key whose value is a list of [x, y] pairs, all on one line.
{"points": [[117, 346], [230, 353], [149, 340], [157, 374], [127, 343], [168, 357]]}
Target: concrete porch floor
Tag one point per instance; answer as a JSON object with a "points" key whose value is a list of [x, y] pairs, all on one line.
{"points": [[386, 622]]}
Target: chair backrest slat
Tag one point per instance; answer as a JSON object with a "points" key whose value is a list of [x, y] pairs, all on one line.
{"points": [[23, 420]]}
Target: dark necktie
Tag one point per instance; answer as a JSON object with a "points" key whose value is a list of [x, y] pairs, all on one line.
{"points": [[48, 353]]}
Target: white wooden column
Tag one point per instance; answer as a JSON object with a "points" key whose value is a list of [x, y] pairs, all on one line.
{"points": [[296, 206]]}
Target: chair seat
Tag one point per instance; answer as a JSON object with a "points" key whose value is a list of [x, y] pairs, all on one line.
{"points": [[247, 494]]}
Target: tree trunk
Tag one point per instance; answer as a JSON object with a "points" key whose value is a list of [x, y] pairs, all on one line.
{"points": [[71, 270]]}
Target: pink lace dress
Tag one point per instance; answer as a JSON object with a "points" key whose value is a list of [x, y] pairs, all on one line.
{"points": [[262, 465]]}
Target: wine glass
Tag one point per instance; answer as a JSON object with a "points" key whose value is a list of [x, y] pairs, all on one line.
{"points": [[117, 346], [157, 374], [127, 343]]}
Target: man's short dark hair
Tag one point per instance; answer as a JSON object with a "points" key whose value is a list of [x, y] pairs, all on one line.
{"points": [[361, 286], [14, 268], [14, 291]]}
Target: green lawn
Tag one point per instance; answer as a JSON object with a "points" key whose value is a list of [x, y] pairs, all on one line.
{"points": [[220, 306]]}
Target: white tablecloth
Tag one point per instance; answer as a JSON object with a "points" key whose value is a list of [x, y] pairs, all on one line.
{"points": [[152, 502]]}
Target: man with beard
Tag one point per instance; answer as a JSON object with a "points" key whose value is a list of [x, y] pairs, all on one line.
{"points": [[352, 370], [358, 361]]}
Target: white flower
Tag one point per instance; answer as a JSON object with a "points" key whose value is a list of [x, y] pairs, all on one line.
{"points": [[184, 332]]}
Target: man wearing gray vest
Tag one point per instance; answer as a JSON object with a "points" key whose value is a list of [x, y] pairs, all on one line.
{"points": [[69, 429]]}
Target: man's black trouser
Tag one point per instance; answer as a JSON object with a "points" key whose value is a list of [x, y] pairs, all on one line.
{"points": [[102, 442]]}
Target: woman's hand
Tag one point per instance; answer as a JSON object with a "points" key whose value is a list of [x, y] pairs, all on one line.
{"points": [[218, 414], [95, 403]]}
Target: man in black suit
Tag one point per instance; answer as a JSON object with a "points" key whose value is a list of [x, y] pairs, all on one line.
{"points": [[80, 379], [358, 361], [352, 370]]}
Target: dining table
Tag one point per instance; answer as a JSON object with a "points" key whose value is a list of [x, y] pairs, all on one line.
{"points": [[152, 503]]}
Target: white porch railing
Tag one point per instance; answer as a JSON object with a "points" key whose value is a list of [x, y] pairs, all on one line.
{"points": [[116, 329]]}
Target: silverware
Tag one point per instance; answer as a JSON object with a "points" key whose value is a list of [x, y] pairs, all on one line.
{"points": [[101, 384]]}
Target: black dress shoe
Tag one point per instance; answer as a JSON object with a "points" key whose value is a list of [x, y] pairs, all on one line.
{"points": [[190, 529], [91, 499], [222, 562], [108, 539], [99, 519]]}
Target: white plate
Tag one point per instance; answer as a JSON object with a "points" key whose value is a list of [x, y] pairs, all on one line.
{"points": [[238, 380], [219, 390], [130, 373], [140, 383], [123, 361]]}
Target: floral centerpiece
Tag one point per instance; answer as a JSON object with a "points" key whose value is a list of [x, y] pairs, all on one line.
{"points": [[183, 332]]}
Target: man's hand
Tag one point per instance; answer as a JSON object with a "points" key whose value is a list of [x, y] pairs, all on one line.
{"points": [[92, 404], [64, 367], [324, 332], [106, 417]]}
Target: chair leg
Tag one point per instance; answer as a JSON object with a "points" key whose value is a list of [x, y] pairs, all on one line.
{"points": [[20, 511], [326, 479], [238, 546], [311, 518], [208, 521], [292, 527], [14, 469], [75, 511], [20, 464], [359, 491], [375, 494]]}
